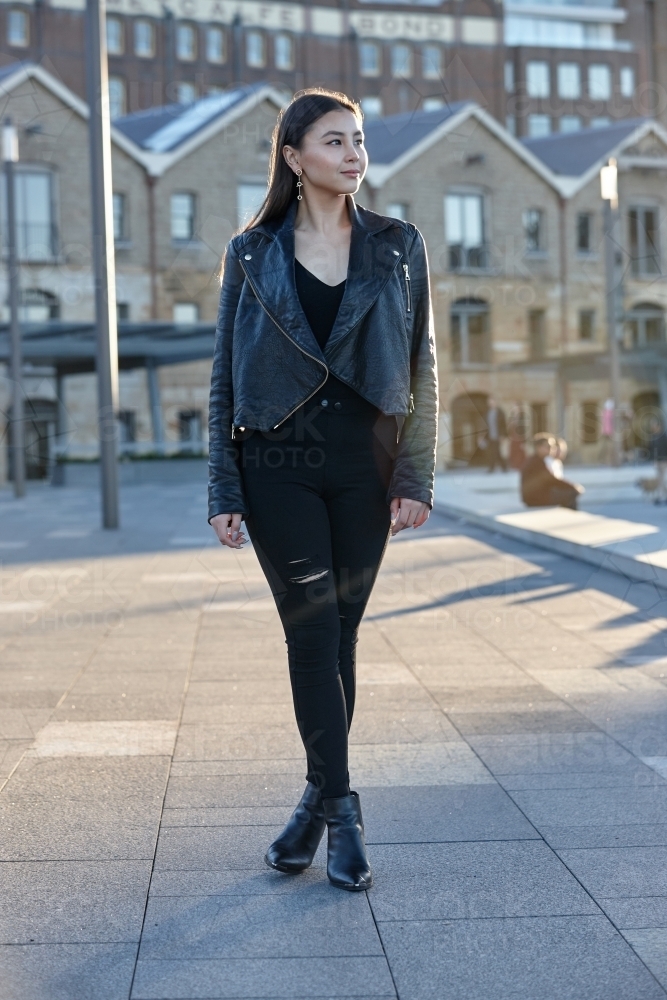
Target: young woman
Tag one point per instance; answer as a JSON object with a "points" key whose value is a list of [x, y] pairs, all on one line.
{"points": [[323, 415]]}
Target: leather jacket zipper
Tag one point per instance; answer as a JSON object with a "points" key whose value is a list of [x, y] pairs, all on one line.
{"points": [[406, 271], [317, 388]]}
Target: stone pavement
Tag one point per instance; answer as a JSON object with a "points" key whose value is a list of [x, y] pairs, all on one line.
{"points": [[509, 746]]}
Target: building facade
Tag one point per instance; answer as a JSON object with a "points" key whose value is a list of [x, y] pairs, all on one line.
{"points": [[536, 67]]}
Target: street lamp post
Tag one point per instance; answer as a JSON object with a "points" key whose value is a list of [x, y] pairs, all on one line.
{"points": [[10, 155], [609, 191], [97, 85]]}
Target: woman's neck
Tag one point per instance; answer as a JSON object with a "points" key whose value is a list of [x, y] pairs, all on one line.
{"points": [[322, 215]]}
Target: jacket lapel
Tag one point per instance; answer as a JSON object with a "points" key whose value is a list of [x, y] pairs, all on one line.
{"points": [[373, 258]]}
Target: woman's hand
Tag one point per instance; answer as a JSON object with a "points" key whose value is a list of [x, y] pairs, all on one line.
{"points": [[406, 513], [227, 528]]}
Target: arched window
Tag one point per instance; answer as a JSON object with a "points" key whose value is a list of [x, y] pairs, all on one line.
{"points": [[470, 337], [38, 306], [646, 325]]}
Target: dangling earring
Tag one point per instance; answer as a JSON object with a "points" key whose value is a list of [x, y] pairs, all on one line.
{"points": [[299, 185]]}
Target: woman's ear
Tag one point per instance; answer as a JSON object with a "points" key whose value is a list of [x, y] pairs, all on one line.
{"points": [[291, 157]]}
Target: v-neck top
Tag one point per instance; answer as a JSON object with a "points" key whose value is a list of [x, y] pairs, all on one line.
{"points": [[319, 301]]}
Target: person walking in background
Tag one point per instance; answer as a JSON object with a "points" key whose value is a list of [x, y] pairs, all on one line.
{"points": [[516, 427], [554, 461], [657, 447], [323, 425], [496, 432], [539, 487]]}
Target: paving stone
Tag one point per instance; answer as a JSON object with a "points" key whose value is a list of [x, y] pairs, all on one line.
{"points": [[214, 847], [556, 753], [262, 977], [268, 789], [651, 946], [637, 912], [595, 835], [79, 809], [620, 871], [553, 958], [593, 806], [72, 901], [67, 971], [529, 721], [456, 881], [416, 764], [260, 926]]}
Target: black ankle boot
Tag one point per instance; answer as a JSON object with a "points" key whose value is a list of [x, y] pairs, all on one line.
{"points": [[347, 864], [294, 850]]}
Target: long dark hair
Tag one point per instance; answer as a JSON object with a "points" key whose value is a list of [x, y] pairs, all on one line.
{"points": [[294, 121]]}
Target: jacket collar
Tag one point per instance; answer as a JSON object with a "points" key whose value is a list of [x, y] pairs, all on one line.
{"points": [[373, 258]]}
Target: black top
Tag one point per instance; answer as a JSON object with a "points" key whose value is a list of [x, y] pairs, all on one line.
{"points": [[319, 301]]}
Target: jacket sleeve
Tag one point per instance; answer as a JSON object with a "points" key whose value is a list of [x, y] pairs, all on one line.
{"points": [[225, 486], [414, 465]]}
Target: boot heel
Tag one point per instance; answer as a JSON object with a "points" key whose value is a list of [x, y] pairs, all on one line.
{"points": [[293, 851], [347, 862]]}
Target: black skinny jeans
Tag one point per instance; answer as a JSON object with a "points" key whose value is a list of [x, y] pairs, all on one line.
{"points": [[319, 522]]}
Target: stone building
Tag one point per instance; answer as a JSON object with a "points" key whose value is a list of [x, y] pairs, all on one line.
{"points": [[514, 232]]}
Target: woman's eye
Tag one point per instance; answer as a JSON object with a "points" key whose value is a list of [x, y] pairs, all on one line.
{"points": [[333, 141]]}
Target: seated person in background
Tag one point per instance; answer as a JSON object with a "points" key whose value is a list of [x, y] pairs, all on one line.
{"points": [[554, 461], [539, 487]]}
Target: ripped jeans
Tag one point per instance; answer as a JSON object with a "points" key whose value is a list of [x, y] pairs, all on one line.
{"points": [[319, 522]]}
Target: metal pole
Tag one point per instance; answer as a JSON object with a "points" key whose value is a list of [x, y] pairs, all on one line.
{"points": [[10, 156], [103, 255], [610, 216]]}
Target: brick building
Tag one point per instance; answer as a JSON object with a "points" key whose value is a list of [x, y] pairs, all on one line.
{"points": [[537, 66]]}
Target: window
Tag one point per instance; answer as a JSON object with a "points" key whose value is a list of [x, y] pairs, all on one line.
{"points": [[369, 59], [127, 426], [18, 28], [249, 199], [182, 216], [115, 36], [644, 245], [186, 92], [569, 123], [533, 229], [599, 82], [118, 216], [586, 324], [255, 55], [397, 210], [584, 232], [186, 42], [144, 39], [189, 427], [35, 230], [122, 311], [509, 77], [38, 306], [470, 339], [538, 125], [116, 96], [627, 81], [538, 418], [646, 323], [284, 51], [371, 107], [569, 80], [537, 340], [186, 312], [431, 62], [432, 104], [537, 79], [215, 45], [401, 60], [464, 231], [600, 122], [590, 422]]}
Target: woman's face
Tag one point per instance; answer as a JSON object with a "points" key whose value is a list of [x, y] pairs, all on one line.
{"points": [[332, 155]]}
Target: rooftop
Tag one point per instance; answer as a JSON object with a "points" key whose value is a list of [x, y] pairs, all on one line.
{"points": [[389, 138], [573, 153]]}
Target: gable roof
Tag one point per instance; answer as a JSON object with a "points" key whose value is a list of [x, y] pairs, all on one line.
{"points": [[163, 129], [397, 140], [573, 153]]}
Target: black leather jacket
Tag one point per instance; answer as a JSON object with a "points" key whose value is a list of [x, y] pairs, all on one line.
{"points": [[267, 362]]}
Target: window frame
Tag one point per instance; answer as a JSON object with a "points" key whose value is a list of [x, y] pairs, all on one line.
{"points": [[435, 70], [481, 249], [540, 249], [591, 315], [626, 91], [538, 93], [534, 116], [24, 16], [254, 33], [180, 240], [113, 79], [367, 46], [563, 91], [143, 22], [185, 29], [22, 171], [113, 19], [636, 270], [591, 86], [460, 313], [218, 31], [589, 250], [283, 36], [405, 50]]}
